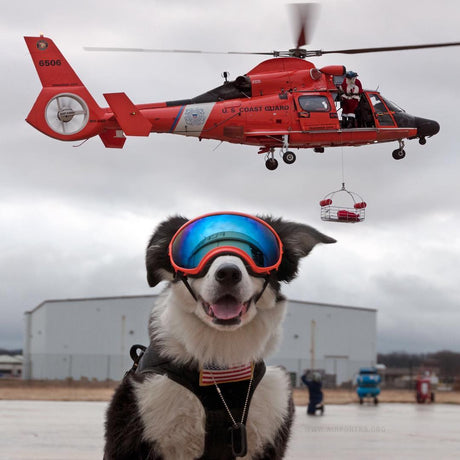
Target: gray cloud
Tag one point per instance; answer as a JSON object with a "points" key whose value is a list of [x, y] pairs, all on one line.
{"points": [[74, 221]]}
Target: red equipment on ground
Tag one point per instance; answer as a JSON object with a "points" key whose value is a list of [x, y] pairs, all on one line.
{"points": [[423, 389]]}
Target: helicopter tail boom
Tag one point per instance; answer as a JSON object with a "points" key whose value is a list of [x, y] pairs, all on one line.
{"points": [[64, 108]]}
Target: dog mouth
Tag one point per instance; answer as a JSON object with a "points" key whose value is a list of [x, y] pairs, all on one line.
{"points": [[226, 310]]}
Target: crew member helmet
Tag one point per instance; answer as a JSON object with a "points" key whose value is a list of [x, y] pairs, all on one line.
{"points": [[351, 74]]}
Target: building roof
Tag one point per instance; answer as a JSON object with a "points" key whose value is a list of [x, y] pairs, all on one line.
{"points": [[7, 359], [89, 299], [347, 307]]}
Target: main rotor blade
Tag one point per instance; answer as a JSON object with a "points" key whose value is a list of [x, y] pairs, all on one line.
{"points": [[300, 51], [303, 19], [152, 50], [390, 48]]}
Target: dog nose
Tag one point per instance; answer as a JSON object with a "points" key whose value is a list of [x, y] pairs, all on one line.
{"points": [[228, 274]]}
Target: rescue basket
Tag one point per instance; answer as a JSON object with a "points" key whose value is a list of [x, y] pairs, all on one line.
{"points": [[343, 206]]}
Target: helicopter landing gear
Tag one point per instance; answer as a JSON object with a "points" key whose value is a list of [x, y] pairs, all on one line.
{"points": [[399, 154], [318, 150], [271, 162], [422, 141], [289, 157]]}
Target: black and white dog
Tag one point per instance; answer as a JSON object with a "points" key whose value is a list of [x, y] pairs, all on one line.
{"points": [[201, 389]]}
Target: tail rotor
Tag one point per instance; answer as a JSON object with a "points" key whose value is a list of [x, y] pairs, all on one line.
{"points": [[65, 109], [66, 114]]}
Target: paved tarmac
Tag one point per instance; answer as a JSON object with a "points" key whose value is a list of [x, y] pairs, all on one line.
{"points": [[386, 431], [55, 430]]}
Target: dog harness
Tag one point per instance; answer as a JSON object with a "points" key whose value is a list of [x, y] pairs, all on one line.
{"points": [[217, 438]]}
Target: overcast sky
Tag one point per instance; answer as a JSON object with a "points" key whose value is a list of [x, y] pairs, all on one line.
{"points": [[74, 222]]}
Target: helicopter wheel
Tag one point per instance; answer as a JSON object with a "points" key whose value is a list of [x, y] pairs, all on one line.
{"points": [[289, 157], [271, 164], [318, 150], [399, 154], [422, 141]]}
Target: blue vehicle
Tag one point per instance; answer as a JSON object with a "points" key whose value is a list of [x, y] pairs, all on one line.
{"points": [[368, 382]]}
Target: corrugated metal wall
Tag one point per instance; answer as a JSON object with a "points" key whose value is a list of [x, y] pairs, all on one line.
{"points": [[91, 338]]}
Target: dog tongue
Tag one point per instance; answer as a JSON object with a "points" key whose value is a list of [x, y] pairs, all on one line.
{"points": [[226, 307]]}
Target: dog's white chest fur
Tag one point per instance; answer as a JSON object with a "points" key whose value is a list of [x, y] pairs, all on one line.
{"points": [[174, 418]]}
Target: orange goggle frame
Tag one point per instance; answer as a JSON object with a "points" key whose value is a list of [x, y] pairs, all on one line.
{"points": [[201, 239]]}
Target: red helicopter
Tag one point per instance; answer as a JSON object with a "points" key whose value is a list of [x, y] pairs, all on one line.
{"points": [[284, 103]]}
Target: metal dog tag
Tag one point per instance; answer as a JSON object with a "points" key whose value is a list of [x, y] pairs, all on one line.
{"points": [[238, 440]]}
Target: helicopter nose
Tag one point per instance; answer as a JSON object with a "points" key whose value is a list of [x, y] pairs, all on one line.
{"points": [[425, 127]]}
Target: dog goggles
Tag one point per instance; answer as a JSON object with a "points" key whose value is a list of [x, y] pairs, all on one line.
{"points": [[205, 237]]}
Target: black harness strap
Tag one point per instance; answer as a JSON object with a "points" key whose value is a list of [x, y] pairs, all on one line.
{"points": [[217, 443]]}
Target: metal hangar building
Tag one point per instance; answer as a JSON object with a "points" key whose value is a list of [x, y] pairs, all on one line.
{"points": [[91, 338]]}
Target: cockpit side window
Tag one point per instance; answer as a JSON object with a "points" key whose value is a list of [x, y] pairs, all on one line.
{"points": [[377, 103], [314, 104], [381, 111]]}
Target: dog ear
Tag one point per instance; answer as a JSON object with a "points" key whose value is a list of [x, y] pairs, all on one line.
{"points": [[298, 241], [156, 258]]}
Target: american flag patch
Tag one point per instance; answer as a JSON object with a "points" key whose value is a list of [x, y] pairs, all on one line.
{"points": [[214, 374]]}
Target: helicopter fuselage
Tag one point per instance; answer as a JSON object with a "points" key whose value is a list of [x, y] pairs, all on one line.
{"points": [[282, 102], [309, 118]]}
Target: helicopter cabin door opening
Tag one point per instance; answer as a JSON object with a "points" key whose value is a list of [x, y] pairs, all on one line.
{"points": [[317, 111]]}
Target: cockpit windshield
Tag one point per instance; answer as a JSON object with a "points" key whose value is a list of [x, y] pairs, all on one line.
{"points": [[392, 107]]}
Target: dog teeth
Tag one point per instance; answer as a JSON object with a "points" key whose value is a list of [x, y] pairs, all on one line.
{"points": [[207, 309]]}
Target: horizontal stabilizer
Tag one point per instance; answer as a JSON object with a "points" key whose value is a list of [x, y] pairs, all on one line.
{"points": [[129, 117]]}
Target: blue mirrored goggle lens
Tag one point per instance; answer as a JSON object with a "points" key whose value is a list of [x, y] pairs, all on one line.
{"points": [[209, 232]]}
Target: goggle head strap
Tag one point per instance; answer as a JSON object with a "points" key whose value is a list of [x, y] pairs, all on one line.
{"points": [[259, 295], [183, 278]]}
